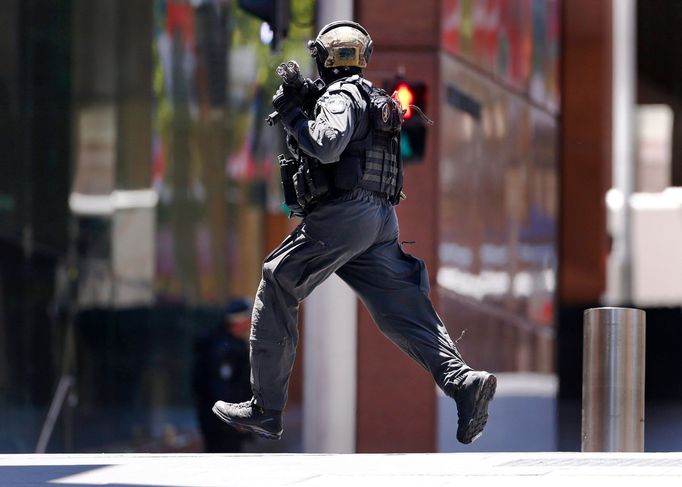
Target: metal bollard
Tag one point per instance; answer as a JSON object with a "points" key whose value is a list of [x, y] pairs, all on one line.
{"points": [[613, 380]]}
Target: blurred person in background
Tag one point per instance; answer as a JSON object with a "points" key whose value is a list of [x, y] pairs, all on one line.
{"points": [[221, 370], [345, 137]]}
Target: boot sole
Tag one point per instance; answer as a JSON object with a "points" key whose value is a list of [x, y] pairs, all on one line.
{"points": [[246, 427], [474, 429]]}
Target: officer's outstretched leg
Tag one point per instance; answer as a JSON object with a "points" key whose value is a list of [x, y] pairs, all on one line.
{"points": [[394, 287], [328, 238]]}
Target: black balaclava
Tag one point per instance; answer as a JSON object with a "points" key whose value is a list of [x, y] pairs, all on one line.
{"points": [[329, 75]]}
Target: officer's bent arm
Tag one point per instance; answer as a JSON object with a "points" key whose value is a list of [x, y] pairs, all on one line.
{"points": [[326, 137]]}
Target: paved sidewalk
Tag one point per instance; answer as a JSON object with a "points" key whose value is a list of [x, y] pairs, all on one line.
{"points": [[394, 470]]}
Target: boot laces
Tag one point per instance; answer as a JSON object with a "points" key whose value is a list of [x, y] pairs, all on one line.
{"points": [[246, 404]]}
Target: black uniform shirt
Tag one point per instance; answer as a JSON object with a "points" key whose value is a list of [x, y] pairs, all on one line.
{"points": [[340, 114]]}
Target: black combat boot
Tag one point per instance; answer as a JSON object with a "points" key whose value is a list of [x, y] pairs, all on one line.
{"points": [[249, 416], [472, 399]]}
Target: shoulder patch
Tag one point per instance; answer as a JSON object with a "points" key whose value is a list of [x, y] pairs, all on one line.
{"points": [[335, 104]]}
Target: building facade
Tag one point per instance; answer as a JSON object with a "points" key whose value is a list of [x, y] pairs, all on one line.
{"points": [[482, 205]]}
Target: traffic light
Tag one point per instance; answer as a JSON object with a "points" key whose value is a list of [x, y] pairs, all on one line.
{"points": [[275, 12], [413, 134]]}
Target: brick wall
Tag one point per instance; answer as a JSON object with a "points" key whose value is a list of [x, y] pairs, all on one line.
{"points": [[396, 397]]}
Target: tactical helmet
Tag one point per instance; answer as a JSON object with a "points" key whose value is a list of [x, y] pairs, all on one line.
{"points": [[341, 44]]}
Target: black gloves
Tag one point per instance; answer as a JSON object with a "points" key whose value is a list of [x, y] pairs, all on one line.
{"points": [[287, 101]]}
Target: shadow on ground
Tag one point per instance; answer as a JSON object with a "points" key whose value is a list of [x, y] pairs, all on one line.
{"points": [[48, 475]]}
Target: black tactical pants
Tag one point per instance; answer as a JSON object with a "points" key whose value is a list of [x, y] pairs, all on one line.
{"points": [[356, 236]]}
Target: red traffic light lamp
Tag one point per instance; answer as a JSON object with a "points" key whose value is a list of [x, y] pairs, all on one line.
{"points": [[410, 94], [404, 95]]}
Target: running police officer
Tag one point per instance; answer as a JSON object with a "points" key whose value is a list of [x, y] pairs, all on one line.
{"points": [[348, 177]]}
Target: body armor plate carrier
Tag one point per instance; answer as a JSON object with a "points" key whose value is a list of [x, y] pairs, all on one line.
{"points": [[373, 162]]}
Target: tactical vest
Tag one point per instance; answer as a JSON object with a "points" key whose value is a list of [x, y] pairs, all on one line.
{"points": [[372, 160]]}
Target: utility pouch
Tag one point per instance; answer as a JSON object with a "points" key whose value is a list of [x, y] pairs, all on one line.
{"points": [[310, 182], [316, 178], [288, 169]]}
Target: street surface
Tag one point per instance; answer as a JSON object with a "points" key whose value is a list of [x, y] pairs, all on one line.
{"points": [[394, 470]]}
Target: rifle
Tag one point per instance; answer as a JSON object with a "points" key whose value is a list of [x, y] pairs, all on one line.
{"points": [[310, 90]]}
